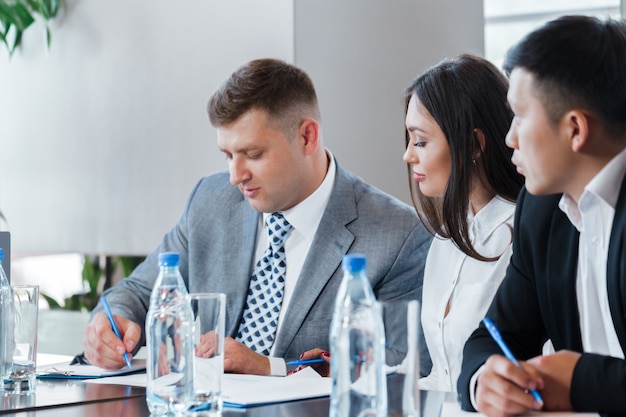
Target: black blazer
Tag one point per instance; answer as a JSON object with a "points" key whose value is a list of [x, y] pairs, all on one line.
{"points": [[537, 301]]}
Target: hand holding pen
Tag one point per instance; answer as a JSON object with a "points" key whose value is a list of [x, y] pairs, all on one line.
{"points": [[317, 358], [495, 334], [114, 327]]}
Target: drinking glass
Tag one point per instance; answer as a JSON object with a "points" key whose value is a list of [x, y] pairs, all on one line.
{"points": [[208, 330], [20, 374]]}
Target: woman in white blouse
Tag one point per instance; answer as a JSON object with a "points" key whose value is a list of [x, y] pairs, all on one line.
{"points": [[464, 188]]}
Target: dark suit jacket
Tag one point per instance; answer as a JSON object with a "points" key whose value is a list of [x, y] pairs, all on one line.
{"points": [[537, 301], [216, 239]]}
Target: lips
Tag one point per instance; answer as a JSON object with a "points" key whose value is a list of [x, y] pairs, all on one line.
{"points": [[517, 165], [250, 192], [418, 177]]}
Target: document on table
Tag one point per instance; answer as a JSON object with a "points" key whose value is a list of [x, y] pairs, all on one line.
{"points": [[252, 390], [452, 409], [63, 370], [240, 391]]}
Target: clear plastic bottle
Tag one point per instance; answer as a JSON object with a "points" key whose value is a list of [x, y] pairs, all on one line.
{"points": [[169, 340], [357, 347], [6, 323]]}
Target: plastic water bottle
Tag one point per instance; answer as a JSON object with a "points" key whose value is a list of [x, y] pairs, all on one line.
{"points": [[6, 323], [357, 346], [170, 341]]}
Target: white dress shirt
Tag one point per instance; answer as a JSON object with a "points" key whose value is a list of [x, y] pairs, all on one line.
{"points": [[467, 284], [593, 218], [304, 218]]}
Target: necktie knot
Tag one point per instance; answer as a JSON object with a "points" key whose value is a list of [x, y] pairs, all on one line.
{"points": [[277, 229]]}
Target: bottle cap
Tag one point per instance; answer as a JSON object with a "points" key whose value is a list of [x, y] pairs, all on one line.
{"points": [[169, 259], [354, 262]]}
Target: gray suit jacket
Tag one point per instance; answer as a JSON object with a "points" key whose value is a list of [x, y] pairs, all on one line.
{"points": [[216, 238]]}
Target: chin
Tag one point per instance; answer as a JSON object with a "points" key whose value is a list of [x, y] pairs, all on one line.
{"points": [[537, 189]]}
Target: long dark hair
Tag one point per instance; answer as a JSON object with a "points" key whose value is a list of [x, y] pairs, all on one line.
{"points": [[466, 95]]}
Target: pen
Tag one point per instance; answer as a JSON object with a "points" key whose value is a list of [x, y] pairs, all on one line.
{"points": [[306, 362], [114, 326], [495, 334]]}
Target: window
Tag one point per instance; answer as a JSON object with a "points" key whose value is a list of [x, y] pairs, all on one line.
{"points": [[507, 21]]}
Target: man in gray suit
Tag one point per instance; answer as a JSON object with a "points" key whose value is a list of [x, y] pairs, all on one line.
{"points": [[268, 125]]}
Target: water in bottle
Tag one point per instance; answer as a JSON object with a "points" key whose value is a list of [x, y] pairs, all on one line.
{"points": [[357, 346], [170, 341]]}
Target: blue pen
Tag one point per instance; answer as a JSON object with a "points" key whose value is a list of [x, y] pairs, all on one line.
{"points": [[306, 362], [495, 334], [114, 326]]}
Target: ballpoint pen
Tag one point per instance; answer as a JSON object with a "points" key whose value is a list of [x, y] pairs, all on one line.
{"points": [[114, 326], [495, 334], [306, 362]]}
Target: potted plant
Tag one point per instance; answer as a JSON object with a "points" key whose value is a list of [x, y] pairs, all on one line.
{"points": [[18, 15], [61, 326]]}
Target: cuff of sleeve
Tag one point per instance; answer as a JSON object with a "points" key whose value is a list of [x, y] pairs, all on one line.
{"points": [[472, 386], [278, 367]]}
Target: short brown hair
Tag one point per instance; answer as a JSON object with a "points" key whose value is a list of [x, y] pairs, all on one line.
{"points": [[283, 91]]}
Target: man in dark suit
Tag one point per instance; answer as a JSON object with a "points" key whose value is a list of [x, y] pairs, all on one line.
{"points": [[566, 281]]}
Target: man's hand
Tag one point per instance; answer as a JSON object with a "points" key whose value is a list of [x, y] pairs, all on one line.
{"points": [[556, 370], [240, 359], [102, 348], [502, 388], [208, 346]]}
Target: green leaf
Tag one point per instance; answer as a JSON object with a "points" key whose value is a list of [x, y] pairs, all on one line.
{"points": [[51, 301], [53, 7], [92, 273], [16, 41], [129, 263], [20, 16], [40, 7]]}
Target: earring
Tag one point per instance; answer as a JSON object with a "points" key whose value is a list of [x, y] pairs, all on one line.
{"points": [[474, 161]]}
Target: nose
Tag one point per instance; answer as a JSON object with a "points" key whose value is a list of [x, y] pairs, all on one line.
{"points": [[237, 170], [410, 155], [511, 136]]}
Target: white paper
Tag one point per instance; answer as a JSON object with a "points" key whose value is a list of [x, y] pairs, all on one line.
{"points": [[247, 390], [64, 369]]}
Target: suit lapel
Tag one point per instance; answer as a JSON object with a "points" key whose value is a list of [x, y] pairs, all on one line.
{"points": [[616, 268], [332, 241], [241, 240]]}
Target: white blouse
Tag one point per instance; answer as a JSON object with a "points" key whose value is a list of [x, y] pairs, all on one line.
{"points": [[467, 284]]}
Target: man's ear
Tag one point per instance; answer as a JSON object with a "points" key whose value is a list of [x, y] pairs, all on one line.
{"points": [[309, 133], [576, 126]]}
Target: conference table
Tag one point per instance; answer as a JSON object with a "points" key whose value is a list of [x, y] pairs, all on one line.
{"points": [[77, 398]]}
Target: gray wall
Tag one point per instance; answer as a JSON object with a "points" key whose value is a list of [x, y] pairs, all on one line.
{"points": [[102, 139]]}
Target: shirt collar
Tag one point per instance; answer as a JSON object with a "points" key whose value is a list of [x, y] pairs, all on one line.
{"points": [[306, 215], [486, 221], [603, 186]]}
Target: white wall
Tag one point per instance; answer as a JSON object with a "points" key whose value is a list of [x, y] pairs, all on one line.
{"points": [[102, 140], [362, 54]]}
